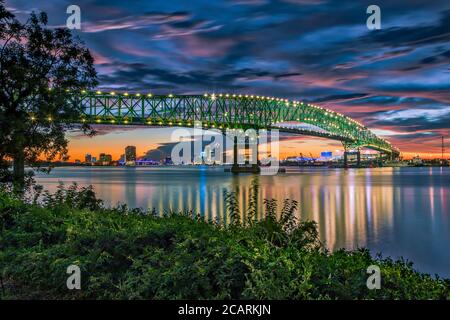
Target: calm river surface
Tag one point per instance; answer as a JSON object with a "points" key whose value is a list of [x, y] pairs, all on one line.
{"points": [[395, 211]]}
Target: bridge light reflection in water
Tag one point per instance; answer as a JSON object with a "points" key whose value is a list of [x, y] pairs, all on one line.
{"points": [[396, 211]]}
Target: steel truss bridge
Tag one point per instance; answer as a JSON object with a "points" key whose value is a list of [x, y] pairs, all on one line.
{"points": [[227, 111]]}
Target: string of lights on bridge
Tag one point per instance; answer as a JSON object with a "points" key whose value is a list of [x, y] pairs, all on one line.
{"points": [[214, 96]]}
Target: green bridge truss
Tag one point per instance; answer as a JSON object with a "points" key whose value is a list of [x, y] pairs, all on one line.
{"points": [[223, 111]]}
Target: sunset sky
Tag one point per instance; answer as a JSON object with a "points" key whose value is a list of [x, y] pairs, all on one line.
{"points": [[395, 80]]}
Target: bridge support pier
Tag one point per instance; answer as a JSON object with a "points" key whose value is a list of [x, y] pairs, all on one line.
{"points": [[358, 158], [255, 157], [345, 154], [235, 168], [255, 166], [380, 159], [345, 159]]}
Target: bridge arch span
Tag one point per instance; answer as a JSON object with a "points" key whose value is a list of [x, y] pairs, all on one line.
{"points": [[224, 111]]}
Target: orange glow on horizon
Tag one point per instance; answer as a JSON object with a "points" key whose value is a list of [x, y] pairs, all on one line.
{"points": [[145, 139]]}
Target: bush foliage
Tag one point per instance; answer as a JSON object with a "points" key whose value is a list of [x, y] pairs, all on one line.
{"points": [[128, 254]]}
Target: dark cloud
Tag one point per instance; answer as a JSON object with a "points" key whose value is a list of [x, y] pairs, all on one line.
{"points": [[342, 97], [160, 153], [101, 130], [135, 22], [422, 34], [416, 124]]}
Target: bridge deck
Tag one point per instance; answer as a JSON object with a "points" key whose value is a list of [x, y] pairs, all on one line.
{"points": [[226, 111]]}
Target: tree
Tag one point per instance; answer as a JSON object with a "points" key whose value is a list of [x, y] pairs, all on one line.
{"points": [[41, 71]]}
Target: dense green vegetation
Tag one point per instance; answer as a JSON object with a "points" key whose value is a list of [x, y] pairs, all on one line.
{"points": [[126, 254]]}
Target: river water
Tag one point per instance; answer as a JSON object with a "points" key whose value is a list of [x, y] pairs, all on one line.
{"points": [[396, 211]]}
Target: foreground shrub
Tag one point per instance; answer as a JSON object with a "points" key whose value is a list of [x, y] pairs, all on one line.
{"points": [[127, 254]]}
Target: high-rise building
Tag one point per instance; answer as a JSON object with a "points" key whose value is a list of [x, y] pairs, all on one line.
{"points": [[88, 158], [130, 155], [105, 159]]}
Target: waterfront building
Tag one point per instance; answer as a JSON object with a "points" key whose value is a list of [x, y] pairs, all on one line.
{"points": [[105, 159], [130, 155]]}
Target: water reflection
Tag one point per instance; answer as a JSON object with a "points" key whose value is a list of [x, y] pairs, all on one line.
{"points": [[398, 211]]}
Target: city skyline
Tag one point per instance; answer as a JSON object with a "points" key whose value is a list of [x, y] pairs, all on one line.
{"points": [[114, 141], [118, 148], [130, 154]]}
